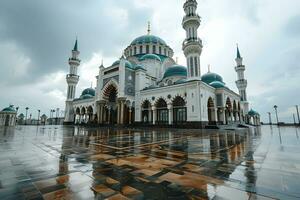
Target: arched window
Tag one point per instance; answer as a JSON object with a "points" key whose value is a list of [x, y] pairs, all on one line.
{"points": [[162, 111], [154, 49], [146, 112], [141, 49], [147, 49], [179, 110]]}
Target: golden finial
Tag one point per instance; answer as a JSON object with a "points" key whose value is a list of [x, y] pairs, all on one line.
{"points": [[149, 28]]}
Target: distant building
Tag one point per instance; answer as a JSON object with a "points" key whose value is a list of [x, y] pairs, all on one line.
{"points": [[147, 86], [21, 119], [8, 116], [43, 119]]}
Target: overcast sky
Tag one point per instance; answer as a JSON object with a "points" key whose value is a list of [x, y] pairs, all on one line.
{"points": [[36, 38]]}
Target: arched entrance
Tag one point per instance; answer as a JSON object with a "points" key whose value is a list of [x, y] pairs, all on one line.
{"points": [[211, 111], [146, 112], [77, 115], [239, 112], [83, 115], [235, 111], [179, 110], [228, 109], [110, 111], [162, 111], [90, 114], [7, 117]]}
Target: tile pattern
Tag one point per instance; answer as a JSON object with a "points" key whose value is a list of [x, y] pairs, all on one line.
{"points": [[50, 162]]}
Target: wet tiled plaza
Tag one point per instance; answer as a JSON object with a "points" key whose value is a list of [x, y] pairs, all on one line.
{"points": [[56, 162]]}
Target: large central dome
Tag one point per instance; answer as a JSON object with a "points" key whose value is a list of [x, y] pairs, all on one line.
{"points": [[148, 39]]}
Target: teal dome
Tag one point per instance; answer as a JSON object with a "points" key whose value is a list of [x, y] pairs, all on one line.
{"points": [[217, 84], [253, 113], [176, 70], [9, 109], [127, 64], [88, 91], [148, 39], [211, 77], [150, 56]]}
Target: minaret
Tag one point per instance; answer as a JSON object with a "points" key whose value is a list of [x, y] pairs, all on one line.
{"points": [[241, 82], [72, 80], [192, 45]]}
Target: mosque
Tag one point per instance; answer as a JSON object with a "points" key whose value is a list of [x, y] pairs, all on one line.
{"points": [[146, 86]]}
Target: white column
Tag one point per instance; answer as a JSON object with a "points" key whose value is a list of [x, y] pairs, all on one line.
{"points": [[170, 113], [154, 114]]}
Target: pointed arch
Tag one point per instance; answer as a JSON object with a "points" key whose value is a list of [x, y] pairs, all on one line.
{"points": [[211, 111], [162, 111], [111, 85], [228, 110], [146, 111], [179, 110]]}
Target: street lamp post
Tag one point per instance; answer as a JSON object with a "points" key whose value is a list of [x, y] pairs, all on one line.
{"points": [[39, 112], [275, 107], [270, 119], [298, 114], [26, 115]]}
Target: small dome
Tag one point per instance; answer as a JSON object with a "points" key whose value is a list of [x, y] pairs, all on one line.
{"points": [[211, 77], [127, 64], [88, 91], [9, 109], [176, 70], [148, 39], [150, 56], [253, 113], [217, 84]]}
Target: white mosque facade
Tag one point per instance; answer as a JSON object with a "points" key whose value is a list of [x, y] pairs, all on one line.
{"points": [[146, 86]]}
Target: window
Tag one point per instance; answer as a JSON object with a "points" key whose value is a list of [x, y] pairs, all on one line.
{"points": [[147, 49], [154, 49], [130, 52], [165, 52], [159, 50], [134, 50], [141, 49]]}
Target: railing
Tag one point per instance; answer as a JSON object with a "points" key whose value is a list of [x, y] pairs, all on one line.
{"points": [[72, 75], [192, 17], [192, 40]]}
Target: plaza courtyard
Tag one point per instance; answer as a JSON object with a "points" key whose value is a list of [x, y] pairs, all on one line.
{"points": [[66, 162]]}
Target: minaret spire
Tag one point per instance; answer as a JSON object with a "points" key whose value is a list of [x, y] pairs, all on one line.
{"points": [[192, 45], [238, 55], [149, 28], [76, 45], [72, 80], [241, 82]]}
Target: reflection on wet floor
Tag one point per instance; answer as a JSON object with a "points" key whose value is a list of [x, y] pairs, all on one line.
{"points": [[49, 162]]}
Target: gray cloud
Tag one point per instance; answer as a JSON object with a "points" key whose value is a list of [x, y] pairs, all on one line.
{"points": [[44, 31], [36, 38]]}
